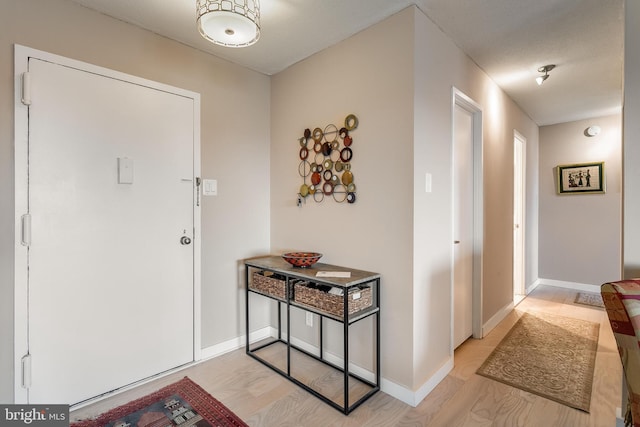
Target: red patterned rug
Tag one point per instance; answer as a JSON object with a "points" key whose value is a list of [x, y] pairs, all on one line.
{"points": [[183, 403]]}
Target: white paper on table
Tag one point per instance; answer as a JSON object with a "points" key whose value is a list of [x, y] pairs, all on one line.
{"points": [[346, 274]]}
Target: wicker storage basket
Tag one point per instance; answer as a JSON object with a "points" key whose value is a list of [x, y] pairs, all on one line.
{"points": [[273, 285], [358, 299]]}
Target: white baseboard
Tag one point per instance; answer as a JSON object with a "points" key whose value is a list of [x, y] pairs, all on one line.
{"points": [[531, 287], [336, 360], [582, 287], [397, 391], [414, 398], [269, 332], [402, 393], [389, 387], [496, 319], [504, 311], [619, 418], [235, 343]]}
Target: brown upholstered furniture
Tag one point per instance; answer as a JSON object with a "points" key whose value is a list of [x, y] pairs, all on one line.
{"points": [[622, 301]]}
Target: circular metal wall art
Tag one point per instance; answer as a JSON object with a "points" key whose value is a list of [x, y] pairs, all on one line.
{"points": [[339, 193], [317, 135], [335, 154], [332, 131], [351, 122], [316, 178], [304, 168], [330, 170], [327, 188], [346, 154], [347, 177]]}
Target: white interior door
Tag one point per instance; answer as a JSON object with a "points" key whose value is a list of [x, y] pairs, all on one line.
{"points": [[111, 286], [519, 144], [462, 225]]}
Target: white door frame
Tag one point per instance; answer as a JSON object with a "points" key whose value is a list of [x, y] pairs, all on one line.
{"points": [[21, 162], [519, 284], [463, 101]]}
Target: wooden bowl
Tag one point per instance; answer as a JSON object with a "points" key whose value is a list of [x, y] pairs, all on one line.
{"points": [[302, 259]]}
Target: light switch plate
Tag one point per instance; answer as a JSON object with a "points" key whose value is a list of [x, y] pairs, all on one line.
{"points": [[309, 319], [209, 187], [125, 170], [427, 182]]}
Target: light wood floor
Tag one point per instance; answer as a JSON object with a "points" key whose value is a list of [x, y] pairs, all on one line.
{"points": [[264, 398]]}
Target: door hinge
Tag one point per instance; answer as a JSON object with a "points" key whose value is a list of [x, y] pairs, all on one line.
{"points": [[26, 88], [26, 230], [198, 182], [26, 371]]}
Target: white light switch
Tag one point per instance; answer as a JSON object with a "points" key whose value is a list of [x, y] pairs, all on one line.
{"points": [[125, 170], [427, 183], [209, 187]]}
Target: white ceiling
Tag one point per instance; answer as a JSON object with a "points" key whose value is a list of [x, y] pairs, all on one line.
{"points": [[509, 39]]}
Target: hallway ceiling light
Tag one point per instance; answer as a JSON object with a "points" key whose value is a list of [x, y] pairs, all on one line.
{"points": [[230, 23], [544, 69]]}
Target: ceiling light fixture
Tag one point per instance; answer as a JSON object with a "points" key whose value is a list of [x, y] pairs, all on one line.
{"points": [[544, 69], [230, 23]]}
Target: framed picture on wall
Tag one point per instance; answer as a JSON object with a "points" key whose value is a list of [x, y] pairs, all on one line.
{"points": [[581, 178]]}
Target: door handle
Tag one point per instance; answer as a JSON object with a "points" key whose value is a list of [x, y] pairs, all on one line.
{"points": [[456, 242], [26, 230], [184, 240]]}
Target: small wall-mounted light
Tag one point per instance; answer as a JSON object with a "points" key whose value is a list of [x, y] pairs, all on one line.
{"points": [[544, 69], [592, 131]]}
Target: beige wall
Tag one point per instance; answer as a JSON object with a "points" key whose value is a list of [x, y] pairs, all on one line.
{"points": [[370, 76], [397, 76], [235, 147], [631, 150], [580, 239]]}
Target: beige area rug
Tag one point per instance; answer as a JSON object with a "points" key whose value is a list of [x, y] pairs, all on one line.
{"points": [[591, 299], [551, 356]]}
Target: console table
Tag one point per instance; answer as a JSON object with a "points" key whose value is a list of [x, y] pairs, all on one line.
{"points": [[338, 297]]}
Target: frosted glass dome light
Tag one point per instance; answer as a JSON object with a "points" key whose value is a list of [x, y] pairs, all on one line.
{"points": [[231, 23]]}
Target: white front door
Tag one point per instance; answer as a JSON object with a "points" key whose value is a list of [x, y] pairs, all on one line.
{"points": [[463, 211], [110, 195]]}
